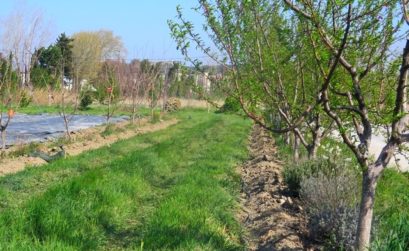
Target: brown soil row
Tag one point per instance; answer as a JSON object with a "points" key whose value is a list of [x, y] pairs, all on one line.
{"points": [[273, 220], [84, 140]]}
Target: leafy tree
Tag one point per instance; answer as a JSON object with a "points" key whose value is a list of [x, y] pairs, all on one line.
{"points": [[52, 62], [259, 49], [312, 66], [365, 32], [91, 49], [65, 44]]}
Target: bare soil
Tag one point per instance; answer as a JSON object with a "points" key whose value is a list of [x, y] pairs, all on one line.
{"points": [[81, 141], [273, 220]]}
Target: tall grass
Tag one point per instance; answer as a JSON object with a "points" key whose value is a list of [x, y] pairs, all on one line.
{"points": [[391, 210]]}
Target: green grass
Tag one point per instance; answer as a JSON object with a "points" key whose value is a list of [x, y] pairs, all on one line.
{"points": [[174, 189], [391, 211]]}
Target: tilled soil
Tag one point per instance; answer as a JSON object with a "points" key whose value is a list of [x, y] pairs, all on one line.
{"points": [[83, 140], [273, 220]]}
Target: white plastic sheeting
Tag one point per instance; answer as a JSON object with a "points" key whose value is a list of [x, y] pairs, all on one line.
{"points": [[29, 128]]}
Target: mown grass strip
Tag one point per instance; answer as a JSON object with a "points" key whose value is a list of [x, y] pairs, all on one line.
{"points": [[178, 193]]}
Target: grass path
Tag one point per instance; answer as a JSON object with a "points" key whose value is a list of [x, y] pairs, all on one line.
{"points": [[173, 189]]}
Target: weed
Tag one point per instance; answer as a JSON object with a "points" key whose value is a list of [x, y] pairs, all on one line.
{"points": [[25, 149]]}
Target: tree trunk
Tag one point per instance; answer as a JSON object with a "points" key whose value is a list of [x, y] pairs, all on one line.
{"points": [[67, 129], [287, 138], [3, 140], [133, 107], [312, 151], [109, 107], [296, 148], [369, 182], [316, 142]]}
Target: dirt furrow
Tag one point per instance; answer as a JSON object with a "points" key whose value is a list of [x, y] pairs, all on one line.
{"points": [[272, 219]]}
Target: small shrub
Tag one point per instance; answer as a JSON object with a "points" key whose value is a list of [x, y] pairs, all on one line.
{"points": [[25, 99], [294, 173], [330, 201], [231, 105], [86, 100], [331, 160]]}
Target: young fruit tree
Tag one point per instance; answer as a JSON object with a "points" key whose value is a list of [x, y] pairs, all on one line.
{"points": [[10, 96], [367, 30], [259, 61], [141, 78]]}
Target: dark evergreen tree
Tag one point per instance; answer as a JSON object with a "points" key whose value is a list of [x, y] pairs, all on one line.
{"points": [[64, 43], [51, 61]]}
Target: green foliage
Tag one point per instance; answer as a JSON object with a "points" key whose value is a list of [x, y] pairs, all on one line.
{"points": [[295, 173], [182, 85], [9, 81], [65, 45], [25, 99], [391, 211], [50, 58], [86, 100], [94, 109], [231, 105], [396, 236], [333, 156], [52, 62], [41, 78]]}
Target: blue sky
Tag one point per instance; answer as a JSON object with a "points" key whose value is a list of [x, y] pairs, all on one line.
{"points": [[142, 24]]}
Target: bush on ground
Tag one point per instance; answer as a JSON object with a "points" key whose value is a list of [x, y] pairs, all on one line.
{"points": [[294, 173], [230, 105], [329, 189], [330, 201], [173, 104], [332, 158], [86, 100]]}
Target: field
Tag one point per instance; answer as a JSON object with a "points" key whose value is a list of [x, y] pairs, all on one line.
{"points": [[172, 189]]}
